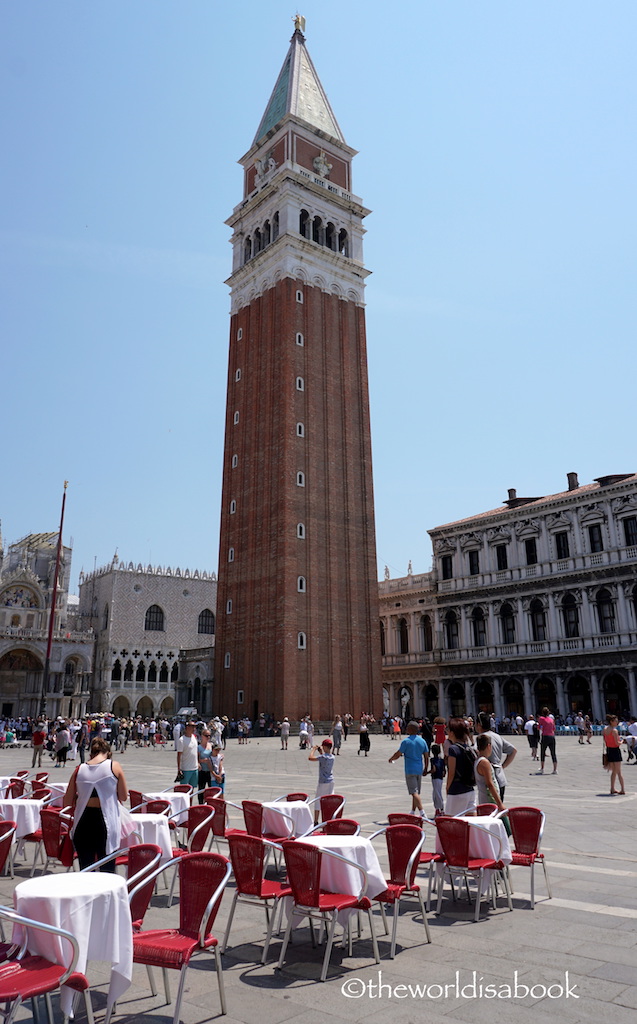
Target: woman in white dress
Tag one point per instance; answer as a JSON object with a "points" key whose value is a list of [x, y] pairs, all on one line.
{"points": [[96, 790]]}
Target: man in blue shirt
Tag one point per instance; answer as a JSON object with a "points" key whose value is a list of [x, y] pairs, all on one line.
{"points": [[416, 753]]}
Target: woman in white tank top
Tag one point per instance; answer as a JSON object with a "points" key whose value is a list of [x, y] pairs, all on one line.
{"points": [[96, 790]]}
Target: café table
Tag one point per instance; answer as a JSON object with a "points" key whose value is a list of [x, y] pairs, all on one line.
{"points": [[25, 813], [179, 804], [93, 906], [276, 824], [4, 782], [59, 789], [487, 839], [154, 828]]}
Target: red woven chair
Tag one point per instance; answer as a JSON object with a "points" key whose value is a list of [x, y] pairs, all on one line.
{"points": [[15, 789], [211, 792], [249, 855], [55, 839], [426, 858], [155, 807], [32, 976], [404, 843], [454, 838], [199, 820], [336, 827], [202, 879], [182, 787], [253, 817], [220, 828], [7, 832], [303, 864], [484, 810], [41, 777], [136, 798], [23, 774], [331, 806], [402, 818], [39, 791], [527, 826], [291, 797]]}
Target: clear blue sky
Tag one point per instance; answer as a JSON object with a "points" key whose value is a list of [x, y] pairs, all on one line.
{"points": [[498, 154]]}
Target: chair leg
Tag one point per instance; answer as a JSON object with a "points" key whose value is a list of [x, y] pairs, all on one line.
{"points": [[532, 886], [229, 924], [373, 931], [49, 1007], [89, 1008], [271, 923], [172, 886], [328, 946], [423, 911], [222, 991], [286, 939], [547, 880], [180, 992], [167, 987], [394, 929], [478, 894], [507, 890], [441, 882], [384, 918], [151, 979]]}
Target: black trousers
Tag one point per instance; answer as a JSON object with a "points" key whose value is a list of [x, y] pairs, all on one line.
{"points": [[89, 839]]}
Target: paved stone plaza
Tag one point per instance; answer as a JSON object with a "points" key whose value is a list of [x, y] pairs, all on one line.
{"points": [[588, 930]]}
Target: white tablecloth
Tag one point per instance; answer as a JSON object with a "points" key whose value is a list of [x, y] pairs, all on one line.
{"points": [[25, 813], [339, 877], [484, 844], [154, 828], [4, 782], [179, 802], [298, 810], [94, 908], [59, 788]]}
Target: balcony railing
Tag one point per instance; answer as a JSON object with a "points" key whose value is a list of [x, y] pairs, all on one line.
{"points": [[43, 634], [523, 649]]}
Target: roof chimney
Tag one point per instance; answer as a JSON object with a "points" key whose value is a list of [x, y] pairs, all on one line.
{"points": [[512, 494], [573, 482]]}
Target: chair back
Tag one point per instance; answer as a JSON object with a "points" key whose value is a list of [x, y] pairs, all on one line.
{"points": [[218, 805], [182, 787], [201, 877], [483, 810], [198, 825], [23, 774], [526, 824], [143, 857], [56, 836], [340, 827], [247, 855], [332, 806], [303, 866], [7, 832], [253, 817], [403, 841], [156, 807], [454, 839], [399, 818], [41, 777], [39, 791], [15, 789], [136, 798], [210, 792], [291, 797]]}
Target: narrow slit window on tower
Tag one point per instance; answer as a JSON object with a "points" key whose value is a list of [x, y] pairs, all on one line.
{"points": [[236, 418], [300, 384], [233, 507], [300, 430], [300, 531], [231, 554], [235, 461], [240, 334], [300, 340], [300, 479], [299, 296], [301, 584], [301, 641], [226, 660], [237, 374], [229, 606]]}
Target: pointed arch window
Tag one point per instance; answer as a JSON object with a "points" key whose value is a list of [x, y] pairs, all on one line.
{"points": [[301, 584], [300, 384], [152, 672], [163, 673], [300, 531], [301, 642], [174, 675], [206, 622], [300, 479], [128, 672], [300, 430], [140, 675], [116, 674], [154, 620], [300, 340]]}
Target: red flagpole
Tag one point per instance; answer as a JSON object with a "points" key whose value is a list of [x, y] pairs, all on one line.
{"points": [[45, 679]]}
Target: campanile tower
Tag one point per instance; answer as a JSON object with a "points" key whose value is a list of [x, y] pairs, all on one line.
{"points": [[297, 611]]}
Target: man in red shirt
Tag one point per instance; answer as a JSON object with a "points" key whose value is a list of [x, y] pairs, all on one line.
{"points": [[38, 739]]}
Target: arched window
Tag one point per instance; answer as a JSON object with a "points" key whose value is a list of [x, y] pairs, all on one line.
{"points": [[426, 635], [538, 620], [403, 637], [300, 479], [382, 638], [304, 224], [318, 231], [300, 531], [231, 554], [330, 236], [154, 619], [197, 691], [116, 673], [275, 226], [507, 624], [258, 242], [237, 375], [301, 584], [163, 673], [226, 660], [128, 672], [300, 430], [152, 672], [105, 617], [343, 242], [605, 611], [635, 604], [206, 622], [235, 418], [301, 641], [300, 384], [479, 628], [174, 675], [247, 249], [229, 606], [233, 507], [235, 461], [571, 616], [300, 340], [451, 631], [267, 233], [140, 675]]}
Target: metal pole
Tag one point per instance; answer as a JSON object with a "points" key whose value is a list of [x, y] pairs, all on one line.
{"points": [[47, 662]]}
